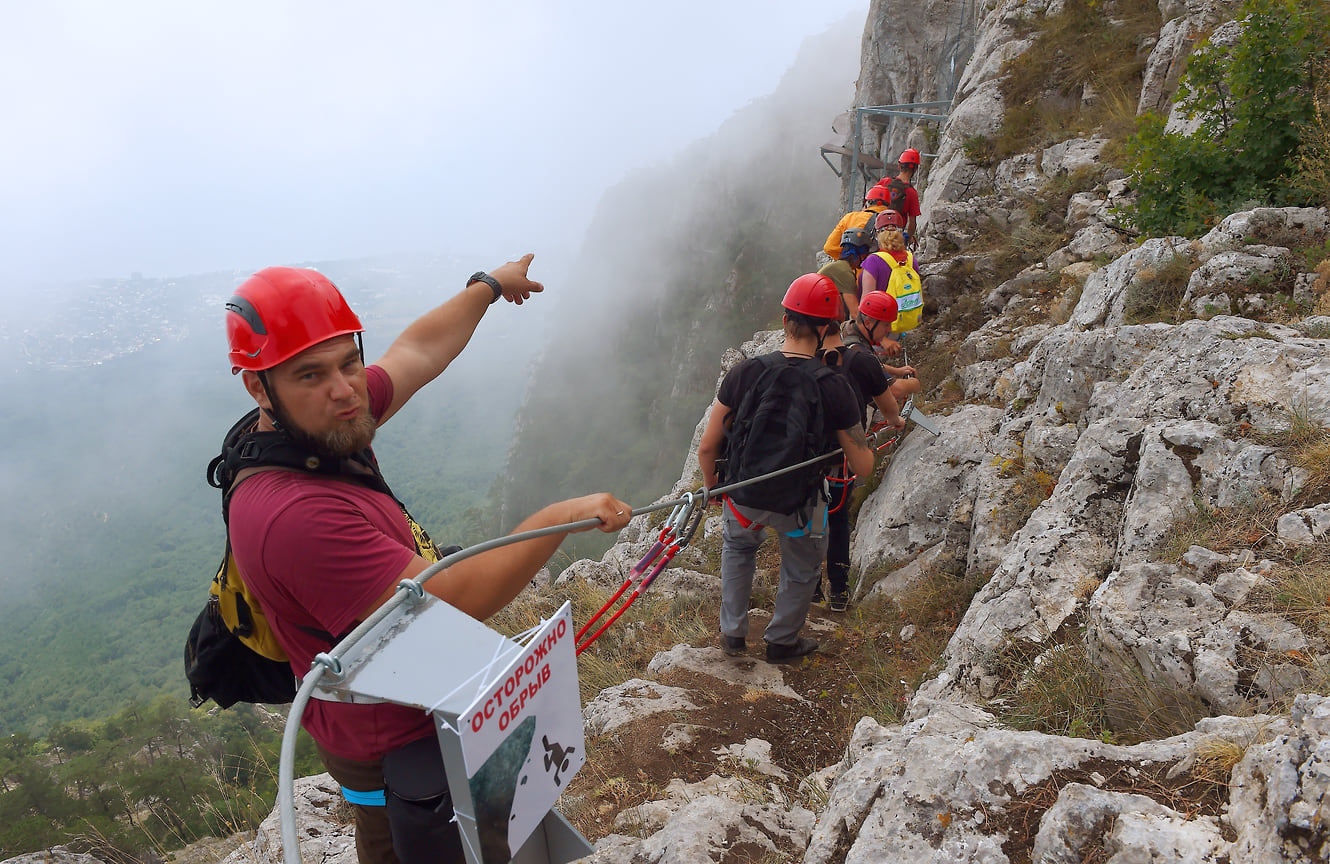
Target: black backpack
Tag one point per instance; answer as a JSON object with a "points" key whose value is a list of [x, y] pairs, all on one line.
{"points": [[231, 654], [779, 422], [896, 195]]}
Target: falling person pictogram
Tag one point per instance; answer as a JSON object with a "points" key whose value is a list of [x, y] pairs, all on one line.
{"points": [[556, 758]]}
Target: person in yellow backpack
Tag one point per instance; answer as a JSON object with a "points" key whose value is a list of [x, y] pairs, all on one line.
{"points": [[891, 269]]}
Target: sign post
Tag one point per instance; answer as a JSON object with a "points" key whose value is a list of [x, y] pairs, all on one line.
{"points": [[508, 716]]}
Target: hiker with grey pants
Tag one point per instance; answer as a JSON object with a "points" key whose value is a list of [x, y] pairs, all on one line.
{"points": [[773, 412]]}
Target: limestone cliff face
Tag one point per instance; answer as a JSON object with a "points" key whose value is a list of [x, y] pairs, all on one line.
{"points": [[912, 52]]}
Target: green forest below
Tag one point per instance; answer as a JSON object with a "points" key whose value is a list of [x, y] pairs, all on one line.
{"points": [[152, 777]]}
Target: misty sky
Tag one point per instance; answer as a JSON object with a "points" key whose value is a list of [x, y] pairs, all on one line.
{"points": [[180, 137]]}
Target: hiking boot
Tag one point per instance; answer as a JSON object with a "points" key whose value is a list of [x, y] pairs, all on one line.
{"points": [[734, 646], [786, 653], [840, 601], [817, 595]]}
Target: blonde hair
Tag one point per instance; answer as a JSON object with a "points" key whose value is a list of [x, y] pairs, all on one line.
{"points": [[891, 239]]}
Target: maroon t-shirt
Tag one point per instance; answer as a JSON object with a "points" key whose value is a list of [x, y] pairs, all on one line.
{"points": [[316, 552]]}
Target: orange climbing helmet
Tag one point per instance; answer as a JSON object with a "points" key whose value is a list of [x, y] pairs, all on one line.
{"points": [[909, 156], [279, 312]]}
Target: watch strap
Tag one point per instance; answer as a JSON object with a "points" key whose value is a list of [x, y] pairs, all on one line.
{"points": [[482, 276]]}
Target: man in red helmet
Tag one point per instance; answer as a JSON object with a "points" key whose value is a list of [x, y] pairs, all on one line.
{"points": [[791, 383], [901, 194], [872, 386], [323, 548], [871, 331]]}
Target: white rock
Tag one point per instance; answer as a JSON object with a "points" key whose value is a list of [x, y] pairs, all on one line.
{"points": [[753, 755], [1103, 299], [624, 703], [1304, 526], [745, 672], [913, 507], [1281, 796], [705, 828], [1129, 828], [322, 837]]}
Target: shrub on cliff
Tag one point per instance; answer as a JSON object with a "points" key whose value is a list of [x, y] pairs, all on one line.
{"points": [[1258, 134]]}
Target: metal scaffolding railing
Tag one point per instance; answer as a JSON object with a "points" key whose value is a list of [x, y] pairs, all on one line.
{"points": [[927, 111], [955, 47]]}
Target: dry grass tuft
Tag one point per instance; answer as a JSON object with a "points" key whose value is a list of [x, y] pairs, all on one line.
{"points": [[1071, 80], [1299, 591], [1031, 485], [883, 671], [1216, 759], [1056, 690], [1156, 293], [1245, 525]]}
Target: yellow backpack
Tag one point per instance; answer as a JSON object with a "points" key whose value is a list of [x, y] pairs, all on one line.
{"points": [[908, 289]]}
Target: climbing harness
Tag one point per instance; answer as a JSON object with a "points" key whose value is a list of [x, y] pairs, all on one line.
{"points": [[843, 481], [678, 531]]}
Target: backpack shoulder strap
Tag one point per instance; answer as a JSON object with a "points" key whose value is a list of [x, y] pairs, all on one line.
{"points": [[246, 452]]}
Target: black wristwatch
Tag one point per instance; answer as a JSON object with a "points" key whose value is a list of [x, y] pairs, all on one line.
{"points": [[482, 276]]}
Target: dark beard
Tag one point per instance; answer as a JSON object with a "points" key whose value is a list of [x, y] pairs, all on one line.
{"points": [[346, 440]]}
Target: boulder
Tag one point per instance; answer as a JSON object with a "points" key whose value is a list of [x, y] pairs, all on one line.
{"points": [[1104, 297], [1051, 565], [1127, 826], [707, 828], [1182, 463], [1290, 227], [1304, 526], [1226, 371], [1281, 789], [943, 787], [624, 703], [926, 491], [1172, 639], [323, 824]]}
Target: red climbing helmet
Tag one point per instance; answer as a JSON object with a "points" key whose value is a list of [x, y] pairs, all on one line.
{"points": [[813, 295], [889, 219], [880, 306], [279, 312], [878, 195], [909, 156]]}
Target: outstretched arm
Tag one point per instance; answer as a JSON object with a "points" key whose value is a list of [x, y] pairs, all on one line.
{"points": [[483, 585], [891, 412], [433, 341]]}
